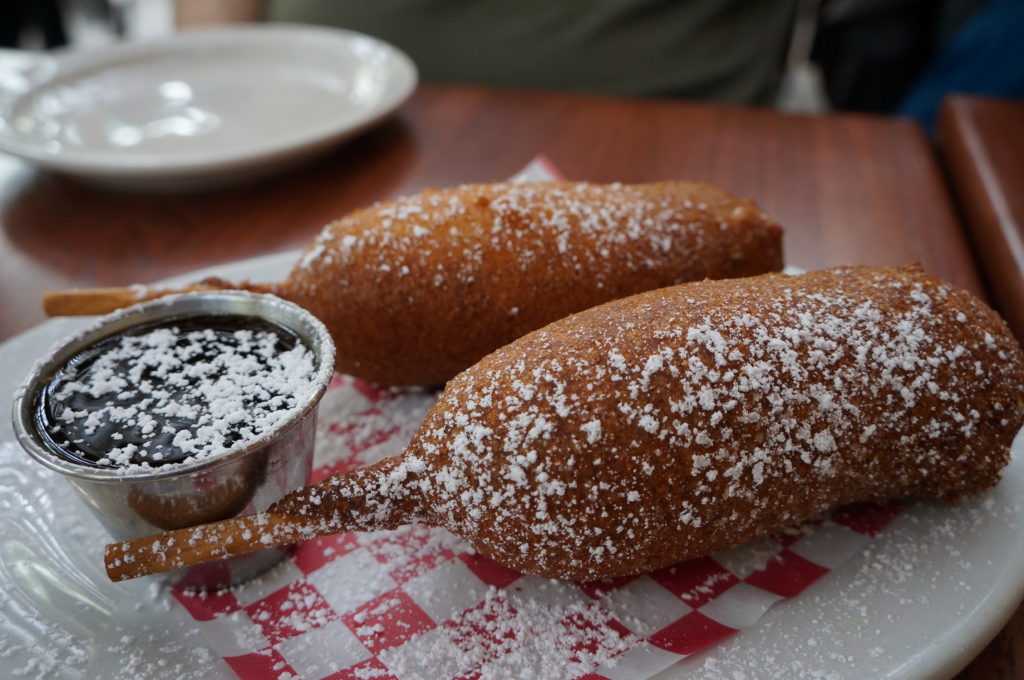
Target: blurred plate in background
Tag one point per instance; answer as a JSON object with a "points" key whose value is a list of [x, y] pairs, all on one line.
{"points": [[202, 108]]}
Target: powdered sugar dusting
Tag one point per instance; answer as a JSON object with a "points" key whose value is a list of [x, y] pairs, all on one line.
{"points": [[504, 460], [174, 394], [751, 405], [605, 230], [542, 630], [752, 418], [536, 628], [496, 261]]}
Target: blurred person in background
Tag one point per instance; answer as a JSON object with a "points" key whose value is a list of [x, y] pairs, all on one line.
{"points": [[905, 56], [887, 56], [729, 51], [31, 21], [982, 58]]}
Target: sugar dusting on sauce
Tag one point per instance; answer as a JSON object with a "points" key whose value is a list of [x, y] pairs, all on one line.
{"points": [[176, 391]]}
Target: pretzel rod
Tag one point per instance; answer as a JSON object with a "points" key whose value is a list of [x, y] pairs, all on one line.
{"points": [[196, 545], [356, 500], [84, 301]]}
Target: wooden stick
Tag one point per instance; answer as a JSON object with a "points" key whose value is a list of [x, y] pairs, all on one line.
{"points": [[197, 545], [362, 499], [84, 301]]}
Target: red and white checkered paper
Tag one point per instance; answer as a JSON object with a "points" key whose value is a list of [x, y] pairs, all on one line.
{"points": [[418, 603]]}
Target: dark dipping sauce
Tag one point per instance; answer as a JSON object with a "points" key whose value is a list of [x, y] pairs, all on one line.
{"points": [[175, 389]]}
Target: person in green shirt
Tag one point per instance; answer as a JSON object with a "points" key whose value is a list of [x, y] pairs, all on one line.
{"points": [[729, 51]]}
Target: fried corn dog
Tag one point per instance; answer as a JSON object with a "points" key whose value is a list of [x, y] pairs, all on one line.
{"points": [[415, 290], [678, 422]]}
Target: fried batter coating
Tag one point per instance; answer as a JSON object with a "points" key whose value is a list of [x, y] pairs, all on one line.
{"points": [[678, 422], [416, 290]]}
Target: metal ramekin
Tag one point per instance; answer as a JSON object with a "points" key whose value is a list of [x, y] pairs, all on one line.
{"points": [[246, 479]]}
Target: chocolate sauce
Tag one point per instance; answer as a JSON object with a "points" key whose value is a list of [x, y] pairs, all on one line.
{"points": [[164, 392]]}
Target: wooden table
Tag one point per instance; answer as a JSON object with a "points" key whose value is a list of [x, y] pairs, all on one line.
{"points": [[848, 188], [982, 143]]}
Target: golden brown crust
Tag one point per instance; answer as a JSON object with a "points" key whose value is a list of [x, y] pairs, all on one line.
{"points": [[417, 289], [678, 422]]}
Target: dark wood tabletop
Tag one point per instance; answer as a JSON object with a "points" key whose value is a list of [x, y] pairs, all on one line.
{"points": [[848, 189], [982, 144], [981, 141]]}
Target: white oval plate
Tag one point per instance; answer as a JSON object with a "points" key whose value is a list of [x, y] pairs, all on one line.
{"points": [[201, 108], [918, 604]]}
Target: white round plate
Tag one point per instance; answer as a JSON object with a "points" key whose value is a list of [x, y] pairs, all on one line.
{"points": [[201, 108], [919, 603]]}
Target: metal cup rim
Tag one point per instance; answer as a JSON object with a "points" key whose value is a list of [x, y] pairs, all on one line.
{"points": [[310, 329]]}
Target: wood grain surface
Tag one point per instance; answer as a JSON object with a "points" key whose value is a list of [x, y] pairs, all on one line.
{"points": [[982, 145], [847, 188]]}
